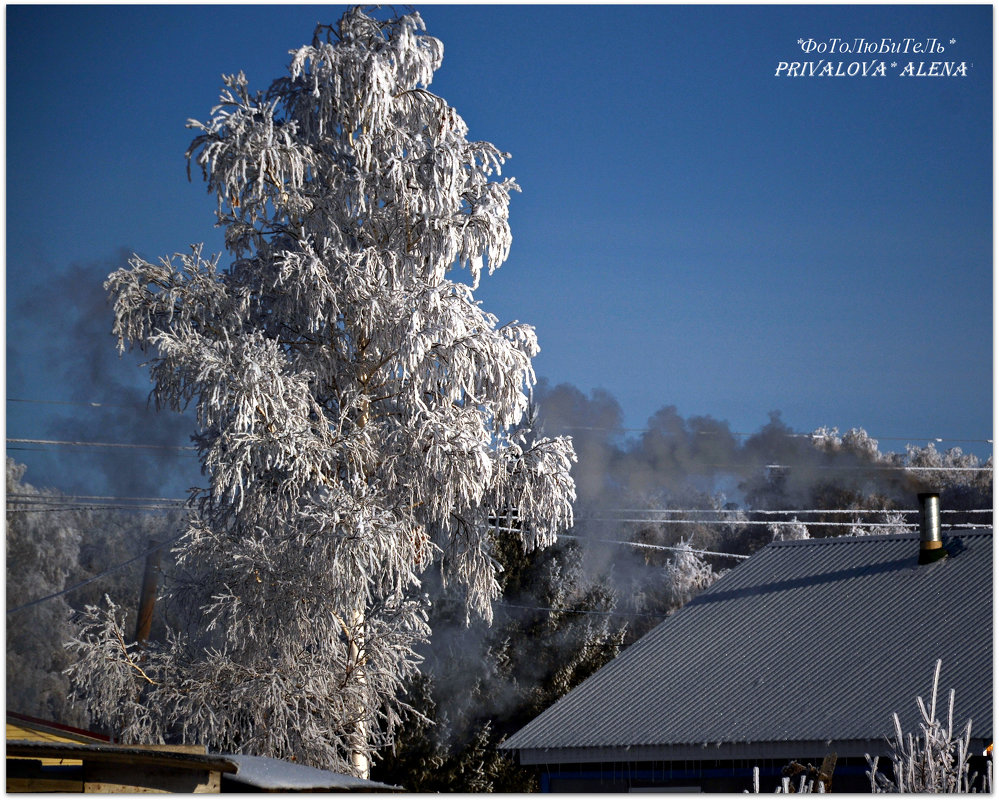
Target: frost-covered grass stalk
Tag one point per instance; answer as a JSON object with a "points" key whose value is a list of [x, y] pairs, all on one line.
{"points": [[933, 761], [356, 407]]}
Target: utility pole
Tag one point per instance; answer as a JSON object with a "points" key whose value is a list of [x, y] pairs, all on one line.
{"points": [[147, 600]]}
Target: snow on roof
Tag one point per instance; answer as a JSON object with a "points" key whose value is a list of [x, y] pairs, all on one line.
{"points": [[266, 773]]}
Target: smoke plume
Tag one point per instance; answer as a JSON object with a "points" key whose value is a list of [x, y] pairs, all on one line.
{"points": [[69, 385]]}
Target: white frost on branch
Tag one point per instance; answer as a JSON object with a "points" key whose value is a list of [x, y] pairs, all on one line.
{"points": [[357, 409]]}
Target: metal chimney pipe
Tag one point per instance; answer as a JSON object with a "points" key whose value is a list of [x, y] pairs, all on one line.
{"points": [[930, 542]]}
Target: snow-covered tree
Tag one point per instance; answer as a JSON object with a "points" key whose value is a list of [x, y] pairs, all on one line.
{"points": [[687, 573], [792, 529], [356, 407], [555, 626], [884, 522], [63, 554], [41, 553]]}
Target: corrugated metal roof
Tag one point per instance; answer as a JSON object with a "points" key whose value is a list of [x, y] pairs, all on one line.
{"points": [[808, 641]]}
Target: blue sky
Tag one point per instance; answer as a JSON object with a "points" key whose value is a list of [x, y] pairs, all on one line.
{"points": [[693, 229]]}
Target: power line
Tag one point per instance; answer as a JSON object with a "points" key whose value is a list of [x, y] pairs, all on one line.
{"points": [[647, 546], [102, 444], [857, 468], [92, 579], [821, 523], [561, 611], [790, 511], [735, 515], [652, 547], [33, 450], [93, 508], [792, 435], [868, 467], [847, 468], [28, 503], [91, 404], [30, 496], [730, 522], [724, 516], [54, 509]]}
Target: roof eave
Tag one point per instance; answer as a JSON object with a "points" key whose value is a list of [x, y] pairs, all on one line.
{"points": [[784, 750]]}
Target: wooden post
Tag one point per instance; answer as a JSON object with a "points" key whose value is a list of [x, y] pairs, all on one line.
{"points": [[147, 600]]}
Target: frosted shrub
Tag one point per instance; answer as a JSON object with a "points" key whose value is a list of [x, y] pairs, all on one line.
{"points": [[933, 761], [887, 522], [793, 529], [687, 574]]}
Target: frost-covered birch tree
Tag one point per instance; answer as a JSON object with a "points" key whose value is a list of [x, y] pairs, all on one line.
{"points": [[356, 407]]}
